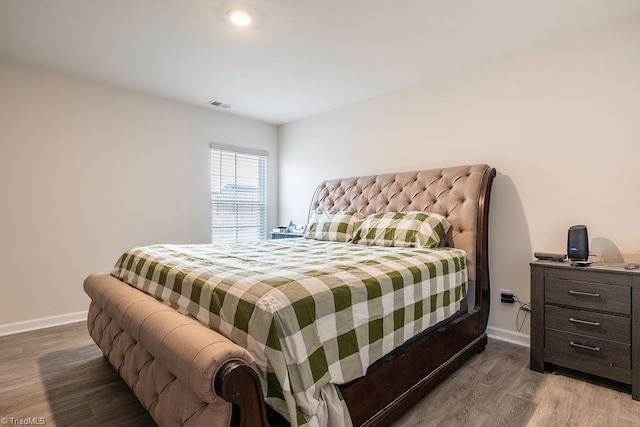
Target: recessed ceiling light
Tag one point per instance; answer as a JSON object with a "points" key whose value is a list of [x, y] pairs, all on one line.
{"points": [[240, 17]]}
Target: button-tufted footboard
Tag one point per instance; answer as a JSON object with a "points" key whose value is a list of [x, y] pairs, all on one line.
{"points": [[180, 371]]}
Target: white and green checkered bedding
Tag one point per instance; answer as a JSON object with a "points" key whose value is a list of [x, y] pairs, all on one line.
{"points": [[336, 226], [312, 313], [410, 229]]}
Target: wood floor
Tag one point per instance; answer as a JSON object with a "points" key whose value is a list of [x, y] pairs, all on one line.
{"points": [[59, 376]]}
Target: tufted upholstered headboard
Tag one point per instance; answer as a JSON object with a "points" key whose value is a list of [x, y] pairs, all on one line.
{"points": [[459, 193]]}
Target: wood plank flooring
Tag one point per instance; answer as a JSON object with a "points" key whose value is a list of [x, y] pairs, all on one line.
{"points": [[58, 375]]}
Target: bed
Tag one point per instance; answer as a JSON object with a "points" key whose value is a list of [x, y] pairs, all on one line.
{"points": [[186, 373]]}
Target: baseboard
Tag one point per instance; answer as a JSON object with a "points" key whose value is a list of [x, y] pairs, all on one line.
{"points": [[508, 336], [45, 322]]}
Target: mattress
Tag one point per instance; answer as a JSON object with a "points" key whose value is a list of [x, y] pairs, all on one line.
{"points": [[313, 314]]}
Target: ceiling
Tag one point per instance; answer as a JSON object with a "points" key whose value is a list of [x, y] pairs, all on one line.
{"points": [[303, 57]]}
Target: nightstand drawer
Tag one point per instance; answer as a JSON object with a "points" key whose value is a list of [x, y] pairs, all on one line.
{"points": [[596, 296], [285, 235], [588, 349], [599, 325]]}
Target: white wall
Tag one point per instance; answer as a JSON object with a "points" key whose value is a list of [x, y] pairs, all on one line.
{"points": [[561, 124], [88, 171]]}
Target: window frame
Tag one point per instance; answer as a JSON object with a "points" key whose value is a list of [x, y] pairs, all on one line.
{"points": [[261, 203]]}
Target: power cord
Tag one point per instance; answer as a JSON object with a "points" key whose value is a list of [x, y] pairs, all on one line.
{"points": [[524, 307], [600, 257]]}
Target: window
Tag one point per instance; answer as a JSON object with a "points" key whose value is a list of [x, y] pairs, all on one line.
{"points": [[238, 194]]}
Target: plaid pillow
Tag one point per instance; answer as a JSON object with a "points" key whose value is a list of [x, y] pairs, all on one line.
{"points": [[335, 226], [418, 229]]}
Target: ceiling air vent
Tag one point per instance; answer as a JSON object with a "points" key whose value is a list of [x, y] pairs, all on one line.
{"points": [[219, 104]]}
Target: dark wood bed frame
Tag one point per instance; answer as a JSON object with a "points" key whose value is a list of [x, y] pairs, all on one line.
{"points": [[400, 380], [391, 385]]}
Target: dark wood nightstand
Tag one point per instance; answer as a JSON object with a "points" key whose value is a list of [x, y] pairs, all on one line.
{"points": [[587, 319], [285, 235]]}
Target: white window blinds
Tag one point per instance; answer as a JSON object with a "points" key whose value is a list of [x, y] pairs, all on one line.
{"points": [[238, 194]]}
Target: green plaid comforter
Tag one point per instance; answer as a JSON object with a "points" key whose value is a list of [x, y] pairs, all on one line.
{"points": [[312, 313]]}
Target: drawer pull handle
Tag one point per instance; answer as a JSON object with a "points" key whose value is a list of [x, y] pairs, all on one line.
{"points": [[584, 294], [586, 347], [584, 322]]}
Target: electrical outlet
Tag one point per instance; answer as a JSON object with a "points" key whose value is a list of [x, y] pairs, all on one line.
{"points": [[506, 296]]}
